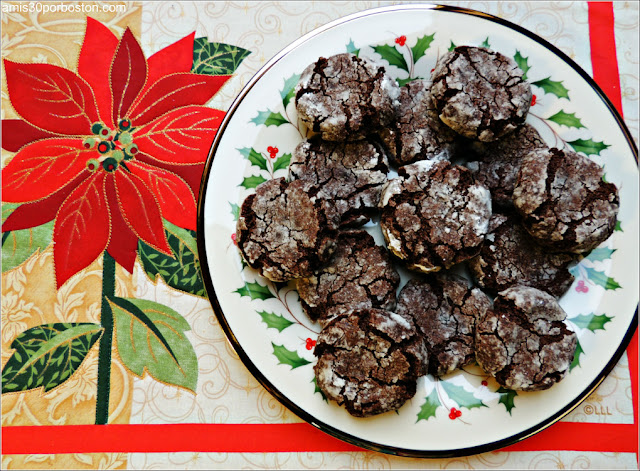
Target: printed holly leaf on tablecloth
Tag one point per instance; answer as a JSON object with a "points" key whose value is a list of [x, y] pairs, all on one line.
{"points": [[351, 48], [506, 397], [552, 86], [282, 162], [591, 321], [600, 254], [566, 119], [428, 409], [523, 63], [19, 245], [275, 321], [288, 357], [47, 355], [576, 357], [289, 90], [235, 211], [588, 146], [216, 58], [180, 271], [151, 336], [253, 156], [252, 181], [269, 118], [461, 396], [421, 47], [318, 390], [392, 56], [255, 291]]}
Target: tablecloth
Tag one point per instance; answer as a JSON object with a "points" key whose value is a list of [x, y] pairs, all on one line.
{"points": [[53, 276]]}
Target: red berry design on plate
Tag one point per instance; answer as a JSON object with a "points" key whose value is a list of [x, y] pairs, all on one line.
{"points": [[533, 100], [582, 288], [273, 151], [310, 343], [233, 239], [454, 413], [401, 40], [484, 383]]}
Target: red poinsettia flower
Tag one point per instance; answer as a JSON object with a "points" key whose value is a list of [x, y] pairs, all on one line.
{"points": [[109, 151]]}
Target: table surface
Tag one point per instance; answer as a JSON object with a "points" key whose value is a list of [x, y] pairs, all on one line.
{"points": [[226, 393]]}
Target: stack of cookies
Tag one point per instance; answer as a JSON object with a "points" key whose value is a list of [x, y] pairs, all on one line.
{"points": [[475, 185]]}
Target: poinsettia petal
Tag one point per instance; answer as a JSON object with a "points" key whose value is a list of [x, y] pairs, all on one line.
{"points": [[17, 133], [123, 245], [191, 174], [128, 74], [182, 136], [51, 98], [176, 200], [82, 228], [174, 91], [41, 168], [176, 57], [40, 212], [94, 64], [140, 210]]}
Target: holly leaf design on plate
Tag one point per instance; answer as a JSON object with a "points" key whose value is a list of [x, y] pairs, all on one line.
{"points": [[421, 46], [253, 156], [428, 409], [318, 390], [506, 397], [552, 86], [275, 321], [523, 63], [601, 279], [485, 43], [216, 58], [576, 357], [566, 119], [282, 162], [461, 396], [403, 82], [392, 56], [288, 357], [47, 355], [289, 89], [235, 211], [252, 181], [591, 321], [351, 48], [452, 46], [255, 291], [618, 227], [588, 146], [599, 254], [269, 118]]}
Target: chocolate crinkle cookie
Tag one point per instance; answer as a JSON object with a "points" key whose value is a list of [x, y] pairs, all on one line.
{"points": [[523, 341], [348, 176], [445, 310], [369, 361], [510, 256], [282, 232], [499, 162], [434, 215], [564, 201], [479, 93], [359, 275], [345, 97], [418, 133]]}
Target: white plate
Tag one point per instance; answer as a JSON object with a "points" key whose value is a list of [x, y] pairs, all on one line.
{"points": [[265, 323]]}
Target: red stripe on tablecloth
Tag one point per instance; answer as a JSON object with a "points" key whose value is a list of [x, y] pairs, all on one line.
{"points": [[251, 438], [604, 60]]}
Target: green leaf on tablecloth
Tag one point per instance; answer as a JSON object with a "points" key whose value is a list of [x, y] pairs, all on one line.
{"points": [[288, 357], [428, 409], [18, 246], [181, 270], [485, 43], [553, 87], [253, 156], [452, 46], [506, 397], [461, 396], [255, 291], [216, 58], [421, 46], [523, 63], [235, 211], [47, 355], [588, 146], [351, 48], [392, 56], [599, 254], [591, 321], [289, 90], [576, 357], [269, 118], [282, 162], [151, 336], [601, 279], [275, 321], [318, 390], [618, 227], [252, 181], [566, 119]]}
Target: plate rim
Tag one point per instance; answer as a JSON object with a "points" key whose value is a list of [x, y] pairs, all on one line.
{"points": [[244, 357]]}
